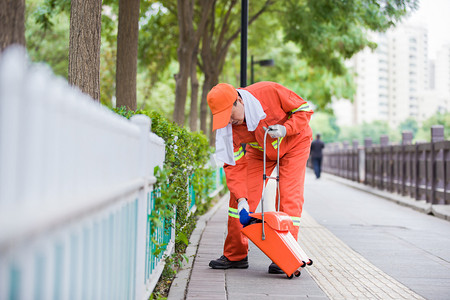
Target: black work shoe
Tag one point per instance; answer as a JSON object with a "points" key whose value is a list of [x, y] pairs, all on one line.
{"points": [[274, 269], [225, 263]]}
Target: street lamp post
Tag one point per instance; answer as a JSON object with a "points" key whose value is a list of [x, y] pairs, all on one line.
{"points": [[244, 27], [262, 63]]}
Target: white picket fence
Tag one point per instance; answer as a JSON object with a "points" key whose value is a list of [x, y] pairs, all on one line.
{"points": [[76, 185]]}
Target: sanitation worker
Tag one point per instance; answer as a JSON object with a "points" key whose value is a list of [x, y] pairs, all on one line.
{"points": [[240, 116]]}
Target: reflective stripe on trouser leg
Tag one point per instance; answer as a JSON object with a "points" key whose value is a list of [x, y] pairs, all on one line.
{"points": [[292, 179], [236, 244], [233, 212], [296, 221]]}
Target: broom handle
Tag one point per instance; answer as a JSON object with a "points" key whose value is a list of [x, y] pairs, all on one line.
{"points": [[278, 172], [263, 237], [265, 177]]}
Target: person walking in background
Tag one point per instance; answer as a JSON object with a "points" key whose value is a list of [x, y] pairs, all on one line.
{"points": [[242, 116], [316, 155]]}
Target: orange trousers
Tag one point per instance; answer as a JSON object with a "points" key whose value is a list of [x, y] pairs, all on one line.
{"points": [[292, 179]]}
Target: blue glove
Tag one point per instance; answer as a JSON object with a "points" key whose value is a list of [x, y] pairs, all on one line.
{"points": [[243, 211], [244, 217]]}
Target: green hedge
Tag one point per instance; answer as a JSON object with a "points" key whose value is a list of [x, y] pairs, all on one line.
{"points": [[187, 154]]}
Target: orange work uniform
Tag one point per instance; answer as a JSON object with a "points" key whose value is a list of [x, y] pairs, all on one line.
{"points": [[245, 179]]}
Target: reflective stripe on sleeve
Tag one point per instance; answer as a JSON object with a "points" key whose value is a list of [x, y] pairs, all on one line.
{"points": [[239, 154], [303, 107], [233, 212]]}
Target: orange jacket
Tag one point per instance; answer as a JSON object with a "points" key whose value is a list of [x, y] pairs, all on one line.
{"points": [[282, 106]]}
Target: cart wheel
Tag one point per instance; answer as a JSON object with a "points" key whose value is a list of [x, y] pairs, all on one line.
{"points": [[310, 262], [290, 277], [297, 273], [304, 264]]}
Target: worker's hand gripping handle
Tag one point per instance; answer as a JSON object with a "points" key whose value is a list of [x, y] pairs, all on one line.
{"points": [[277, 131]]}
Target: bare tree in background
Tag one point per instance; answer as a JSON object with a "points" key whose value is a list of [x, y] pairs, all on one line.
{"points": [[127, 51], [84, 46], [12, 23]]}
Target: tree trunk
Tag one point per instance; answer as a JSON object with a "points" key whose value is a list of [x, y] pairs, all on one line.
{"points": [[205, 113], [181, 81], [204, 109], [213, 62], [188, 41], [193, 115], [185, 49], [12, 23], [127, 50], [212, 135], [213, 58], [84, 46]]}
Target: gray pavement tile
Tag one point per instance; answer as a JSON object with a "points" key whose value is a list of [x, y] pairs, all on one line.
{"points": [[406, 244], [245, 296], [206, 275], [206, 285], [209, 278], [430, 288], [206, 296], [408, 250]]}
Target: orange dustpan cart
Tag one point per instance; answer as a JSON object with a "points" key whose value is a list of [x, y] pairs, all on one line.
{"points": [[274, 238], [278, 243]]}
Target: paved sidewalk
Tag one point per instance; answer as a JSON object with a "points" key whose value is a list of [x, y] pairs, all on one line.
{"points": [[363, 247]]}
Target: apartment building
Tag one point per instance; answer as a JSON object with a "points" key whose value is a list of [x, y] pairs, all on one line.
{"points": [[442, 75], [408, 71], [397, 81]]}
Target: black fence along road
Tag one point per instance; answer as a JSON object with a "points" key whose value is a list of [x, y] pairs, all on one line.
{"points": [[420, 171]]}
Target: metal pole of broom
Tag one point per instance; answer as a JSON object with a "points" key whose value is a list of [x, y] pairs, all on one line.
{"points": [[263, 237]]}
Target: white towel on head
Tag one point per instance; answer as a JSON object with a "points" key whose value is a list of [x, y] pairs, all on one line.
{"points": [[224, 136], [253, 110]]}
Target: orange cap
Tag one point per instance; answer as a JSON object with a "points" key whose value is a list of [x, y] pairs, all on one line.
{"points": [[220, 100]]}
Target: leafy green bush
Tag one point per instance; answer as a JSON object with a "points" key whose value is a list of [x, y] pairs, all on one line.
{"points": [[187, 154]]}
